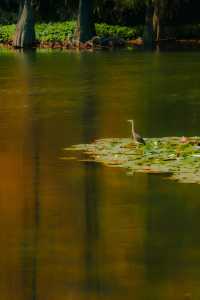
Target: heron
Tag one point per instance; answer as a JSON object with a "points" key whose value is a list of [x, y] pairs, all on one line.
{"points": [[135, 136]]}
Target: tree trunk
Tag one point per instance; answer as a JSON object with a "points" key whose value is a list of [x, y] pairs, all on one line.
{"points": [[25, 31], [148, 30], [156, 20], [21, 5], [85, 29]]}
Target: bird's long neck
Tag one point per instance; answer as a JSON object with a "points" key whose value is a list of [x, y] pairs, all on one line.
{"points": [[133, 132]]}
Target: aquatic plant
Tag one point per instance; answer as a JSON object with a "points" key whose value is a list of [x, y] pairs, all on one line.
{"points": [[178, 158]]}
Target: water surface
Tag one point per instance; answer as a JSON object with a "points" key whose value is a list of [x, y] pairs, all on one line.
{"points": [[78, 231]]}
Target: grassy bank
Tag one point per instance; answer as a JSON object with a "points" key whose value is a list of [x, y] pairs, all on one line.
{"points": [[60, 32]]}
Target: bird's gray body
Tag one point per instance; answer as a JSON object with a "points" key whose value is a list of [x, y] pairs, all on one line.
{"points": [[139, 139]]}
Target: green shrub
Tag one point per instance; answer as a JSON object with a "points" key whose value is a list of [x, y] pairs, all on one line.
{"points": [[117, 31], [6, 33], [59, 32], [54, 32]]}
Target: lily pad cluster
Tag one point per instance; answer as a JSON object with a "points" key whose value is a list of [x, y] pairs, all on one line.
{"points": [[178, 158]]}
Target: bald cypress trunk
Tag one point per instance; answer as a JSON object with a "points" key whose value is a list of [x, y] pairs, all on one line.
{"points": [[148, 30], [85, 29], [21, 5], [25, 31], [156, 20]]}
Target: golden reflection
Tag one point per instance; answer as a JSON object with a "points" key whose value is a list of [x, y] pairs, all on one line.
{"points": [[80, 231]]}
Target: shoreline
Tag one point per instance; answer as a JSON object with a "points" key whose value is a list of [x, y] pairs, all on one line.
{"points": [[60, 36], [136, 44]]}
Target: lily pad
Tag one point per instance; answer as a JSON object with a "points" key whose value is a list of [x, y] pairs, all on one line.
{"points": [[172, 156]]}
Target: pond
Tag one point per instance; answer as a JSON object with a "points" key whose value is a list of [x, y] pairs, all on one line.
{"points": [[79, 230]]}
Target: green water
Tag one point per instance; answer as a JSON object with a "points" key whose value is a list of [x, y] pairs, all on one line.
{"points": [[80, 231]]}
